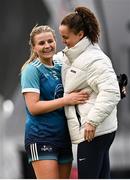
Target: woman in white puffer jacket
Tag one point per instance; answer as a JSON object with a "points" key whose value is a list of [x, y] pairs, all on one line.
{"points": [[85, 67]]}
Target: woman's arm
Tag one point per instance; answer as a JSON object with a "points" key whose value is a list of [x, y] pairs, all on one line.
{"points": [[35, 106]]}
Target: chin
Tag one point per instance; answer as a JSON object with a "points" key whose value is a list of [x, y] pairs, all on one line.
{"points": [[49, 55], [69, 46]]}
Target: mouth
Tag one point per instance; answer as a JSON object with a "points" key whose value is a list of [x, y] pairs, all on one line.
{"points": [[48, 51]]}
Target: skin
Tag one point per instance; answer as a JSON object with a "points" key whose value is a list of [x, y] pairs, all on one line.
{"points": [[55, 171], [70, 39], [45, 46]]}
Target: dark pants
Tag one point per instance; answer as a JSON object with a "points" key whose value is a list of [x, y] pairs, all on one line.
{"points": [[93, 157]]}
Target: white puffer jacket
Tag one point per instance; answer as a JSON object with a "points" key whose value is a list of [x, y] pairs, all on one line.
{"points": [[85, 66]]}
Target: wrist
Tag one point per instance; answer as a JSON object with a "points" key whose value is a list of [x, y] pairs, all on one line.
{"points": [[64, 102], [92, 123]]}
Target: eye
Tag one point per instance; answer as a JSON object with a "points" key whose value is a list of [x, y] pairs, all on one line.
{"points": [[41, 42], [50, 41], [65, 37]]}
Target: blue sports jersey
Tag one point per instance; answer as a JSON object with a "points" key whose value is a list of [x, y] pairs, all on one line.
{"points": [[47, 127]]}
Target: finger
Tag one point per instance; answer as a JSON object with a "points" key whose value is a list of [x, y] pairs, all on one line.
{"points": [[83, 93], [89, 139], [81, 101], [90, 136], [83, 97], [85, 134]]}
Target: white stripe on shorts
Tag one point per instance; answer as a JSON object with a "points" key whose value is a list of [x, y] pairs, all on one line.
{"points": [[34, 154]]}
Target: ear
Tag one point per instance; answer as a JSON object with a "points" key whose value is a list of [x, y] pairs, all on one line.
{"points": [[81, 34], [34, 50]]}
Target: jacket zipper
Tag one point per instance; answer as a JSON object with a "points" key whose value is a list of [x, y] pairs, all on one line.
{"points": [[78, 116]]}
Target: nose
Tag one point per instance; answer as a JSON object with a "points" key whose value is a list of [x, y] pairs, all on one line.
{"points": [[64, 41], [46, 45]]}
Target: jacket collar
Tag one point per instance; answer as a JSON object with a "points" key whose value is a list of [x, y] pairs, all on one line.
{"points": [[74, 52]]}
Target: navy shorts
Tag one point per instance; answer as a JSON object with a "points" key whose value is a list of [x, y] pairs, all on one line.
{"points": [[38, 151]]}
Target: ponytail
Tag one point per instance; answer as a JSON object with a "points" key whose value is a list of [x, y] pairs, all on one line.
{"points": [[82, 19]]}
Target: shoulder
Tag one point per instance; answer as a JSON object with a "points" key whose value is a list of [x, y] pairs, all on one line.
{"points": [[58, 58], [30, 73], [30, 79], [31, 67], [92, 55]]}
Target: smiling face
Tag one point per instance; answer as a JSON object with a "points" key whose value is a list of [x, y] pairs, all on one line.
{"points": [[45, 47], [69, 38]]}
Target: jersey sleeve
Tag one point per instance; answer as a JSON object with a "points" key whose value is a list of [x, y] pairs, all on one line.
{"points": [[30, 79]]}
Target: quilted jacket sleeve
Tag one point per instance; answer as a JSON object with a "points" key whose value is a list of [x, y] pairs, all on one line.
{"points": [[102, 79]]}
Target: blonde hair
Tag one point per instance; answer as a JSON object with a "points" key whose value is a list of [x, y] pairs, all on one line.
{"points": [[36, 30]]}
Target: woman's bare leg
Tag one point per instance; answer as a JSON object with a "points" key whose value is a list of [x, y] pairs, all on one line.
{"points": [[65, 170], [46, 169]]}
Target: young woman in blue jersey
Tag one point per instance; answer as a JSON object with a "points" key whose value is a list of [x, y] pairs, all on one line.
{"points": [[47, 140], [85, 66]]}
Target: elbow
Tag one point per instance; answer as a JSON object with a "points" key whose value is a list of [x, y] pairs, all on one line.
{"points": [[115, 95], [36, 111], [118, 96], [33, 111]]}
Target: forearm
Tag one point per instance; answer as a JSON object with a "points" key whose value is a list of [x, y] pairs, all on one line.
{"points": [[41, 107], [36, 106], [104, 105]]}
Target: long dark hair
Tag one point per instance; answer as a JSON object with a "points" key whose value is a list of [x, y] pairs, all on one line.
{"points": [[83, 19]]}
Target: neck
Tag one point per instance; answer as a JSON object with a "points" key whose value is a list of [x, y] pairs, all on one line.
{"points": [[47, 62]]}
